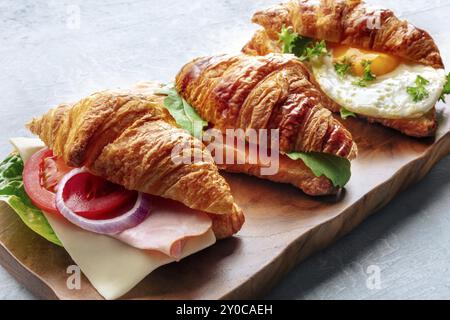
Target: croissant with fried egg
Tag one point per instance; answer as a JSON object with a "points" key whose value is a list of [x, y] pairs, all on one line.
{"points": [[126, 136], [355, 25], [270, 92]]}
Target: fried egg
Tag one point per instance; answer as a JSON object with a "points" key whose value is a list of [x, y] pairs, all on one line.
{"points": [[385, 97]]}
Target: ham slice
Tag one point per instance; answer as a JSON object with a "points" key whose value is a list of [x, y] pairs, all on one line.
{"points": [[166, 229]]}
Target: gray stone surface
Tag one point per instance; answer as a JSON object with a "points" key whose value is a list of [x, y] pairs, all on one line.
{"points": [[50, 54]]}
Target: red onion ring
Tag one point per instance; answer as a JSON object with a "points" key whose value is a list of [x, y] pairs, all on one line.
{"points": [[129, 219]]}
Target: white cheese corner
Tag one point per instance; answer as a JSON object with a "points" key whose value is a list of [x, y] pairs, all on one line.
{"points": [[26, 146]]}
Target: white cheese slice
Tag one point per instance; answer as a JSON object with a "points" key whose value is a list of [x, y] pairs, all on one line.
{"points": [[111, 266], [26, 146]]}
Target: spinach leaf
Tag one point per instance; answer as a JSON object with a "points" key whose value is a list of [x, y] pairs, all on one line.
{"points": [[183, 113], [335, 168]]}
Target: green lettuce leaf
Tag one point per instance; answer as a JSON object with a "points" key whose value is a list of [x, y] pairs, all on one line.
{"points": [[335, 168], [446, 89], [13, 193], [346, 113], [183, 113]]}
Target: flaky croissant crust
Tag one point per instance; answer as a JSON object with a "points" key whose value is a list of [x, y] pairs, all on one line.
{"points": [[350, 22], [270, 92], [127, 137]]}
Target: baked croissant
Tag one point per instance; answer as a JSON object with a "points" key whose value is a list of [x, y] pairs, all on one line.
{"points": [[126, 136], [352, 23], [270, 92]]}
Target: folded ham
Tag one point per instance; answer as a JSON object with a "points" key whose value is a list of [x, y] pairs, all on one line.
{"points": [[167, 228]]}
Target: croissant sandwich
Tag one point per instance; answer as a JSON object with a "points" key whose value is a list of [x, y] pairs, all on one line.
{"points": [[274, 92], [369, 62], [107, 169]]}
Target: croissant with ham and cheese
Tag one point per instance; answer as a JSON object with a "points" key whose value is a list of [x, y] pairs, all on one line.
{"points": [[368, 31], [270, 92], [126, 136]]}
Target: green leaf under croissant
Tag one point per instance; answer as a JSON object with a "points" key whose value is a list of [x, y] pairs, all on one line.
{"points": [[183, 113], [13, 193], [335, 168], [346, 113]]}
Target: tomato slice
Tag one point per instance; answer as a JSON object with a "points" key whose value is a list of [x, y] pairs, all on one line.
{"points": [[87, 195], [53, 170], [35, 177], [95, 198]]}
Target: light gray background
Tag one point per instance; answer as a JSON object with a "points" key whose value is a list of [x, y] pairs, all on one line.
{"points": [[50, 54]]}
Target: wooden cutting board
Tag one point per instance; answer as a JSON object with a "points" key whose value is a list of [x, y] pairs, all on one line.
{"points": [[283, 226]]}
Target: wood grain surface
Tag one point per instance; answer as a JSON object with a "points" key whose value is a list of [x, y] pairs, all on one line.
{"points": [[283, 226]]}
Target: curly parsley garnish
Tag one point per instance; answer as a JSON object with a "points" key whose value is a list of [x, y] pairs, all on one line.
{"points": [[368, 76], [287, 37], [304, 48], [343, 67], [446, 89], [317, 49], [419, 92]]}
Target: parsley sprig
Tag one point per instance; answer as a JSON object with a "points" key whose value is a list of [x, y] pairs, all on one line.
{"points": [[343, 67], [288, 38], [419, 92], [304, 48], [368, 76], [317, 49]]}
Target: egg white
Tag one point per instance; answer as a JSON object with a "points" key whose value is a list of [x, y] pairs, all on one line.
{"points": [[387, 96]]}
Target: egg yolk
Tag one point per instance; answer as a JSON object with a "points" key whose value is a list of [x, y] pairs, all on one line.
{"points": [[382, 63]]}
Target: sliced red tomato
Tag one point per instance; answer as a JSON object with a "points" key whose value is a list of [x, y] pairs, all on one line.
{"points": [[53, 169], [87, 195], [34, 181], [95, 198]]}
